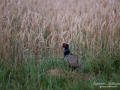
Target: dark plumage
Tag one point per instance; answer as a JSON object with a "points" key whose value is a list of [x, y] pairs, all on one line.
{"points": [[69, 57]]}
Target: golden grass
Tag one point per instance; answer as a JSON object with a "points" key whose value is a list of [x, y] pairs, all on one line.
{"points": [[41, 26], [63, 73]]}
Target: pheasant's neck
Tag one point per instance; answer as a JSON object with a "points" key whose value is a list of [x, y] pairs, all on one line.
{"points": [[66, 51]]}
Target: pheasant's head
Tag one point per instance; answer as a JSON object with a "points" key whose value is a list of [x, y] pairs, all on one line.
{"points": [[65, 45]]}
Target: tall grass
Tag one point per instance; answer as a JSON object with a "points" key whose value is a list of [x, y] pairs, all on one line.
{"points": [[42, 26], [33, 30], [31, 75]]}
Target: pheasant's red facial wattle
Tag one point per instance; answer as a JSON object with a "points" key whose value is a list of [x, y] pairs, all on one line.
{"points": [[64, 45]]}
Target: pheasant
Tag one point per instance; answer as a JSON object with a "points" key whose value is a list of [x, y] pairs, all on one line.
{"points": [[69, 57]]}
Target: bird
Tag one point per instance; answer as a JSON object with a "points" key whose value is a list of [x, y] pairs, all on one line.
{"points": [[70, 58]]}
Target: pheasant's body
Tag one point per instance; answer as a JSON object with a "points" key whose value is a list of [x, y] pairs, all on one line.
{"points": [[70, 58], [72, 61]]}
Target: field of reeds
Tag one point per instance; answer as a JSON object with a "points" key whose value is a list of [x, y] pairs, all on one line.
{"points": [[32, 33]]}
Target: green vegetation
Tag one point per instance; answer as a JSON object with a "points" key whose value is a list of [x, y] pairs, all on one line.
{"points": [[31, 74]]}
